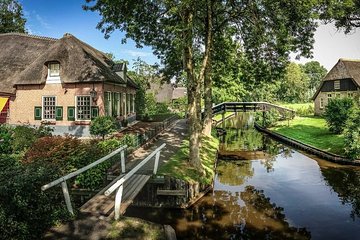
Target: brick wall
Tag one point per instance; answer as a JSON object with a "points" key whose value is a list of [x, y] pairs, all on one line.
{"points": [[324, 96]]}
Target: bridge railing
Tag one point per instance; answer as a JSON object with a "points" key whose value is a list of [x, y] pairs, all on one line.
{"points": [[63, 179], [119, 185]]}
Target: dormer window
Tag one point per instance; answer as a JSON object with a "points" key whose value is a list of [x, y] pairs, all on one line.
{"points": [[54, 69], [53, 73]]}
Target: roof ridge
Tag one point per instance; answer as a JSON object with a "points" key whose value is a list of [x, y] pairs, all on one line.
{"points": [[349, 60], [29, 35]]}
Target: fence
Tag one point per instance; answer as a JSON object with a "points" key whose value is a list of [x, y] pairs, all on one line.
{"points": [[119, 185], [63, 179]]}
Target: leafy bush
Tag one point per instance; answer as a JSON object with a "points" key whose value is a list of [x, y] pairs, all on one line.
{"points": [[337, 112], [25, 211], [352, 135], [102, 126], [5, 139], [271, 117]]}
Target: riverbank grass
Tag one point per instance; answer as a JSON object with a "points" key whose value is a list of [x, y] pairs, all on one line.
{"points": [[135, 228], [218, 116], [312, 131], [178, 165]]}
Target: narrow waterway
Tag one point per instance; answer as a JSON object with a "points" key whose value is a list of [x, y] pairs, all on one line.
{"points": [[265, 190]]}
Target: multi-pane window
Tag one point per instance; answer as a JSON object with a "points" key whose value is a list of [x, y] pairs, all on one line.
{"points": [[337, 84], [54, 69], [107, 102], [83, 108], [321, 103], [337, 95], [350, 94], [49, 105]]}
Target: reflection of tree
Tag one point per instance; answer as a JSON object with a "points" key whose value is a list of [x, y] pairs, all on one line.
{"points": [[234, 173], [345, 181]]}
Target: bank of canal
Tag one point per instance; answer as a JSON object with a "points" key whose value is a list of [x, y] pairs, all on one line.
{"points": [[265, 190]]}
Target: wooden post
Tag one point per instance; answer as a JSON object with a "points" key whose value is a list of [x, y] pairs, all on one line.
{"points": [[157, 156], [122, 156], [67, 197], [118, 198], [263, 118]]}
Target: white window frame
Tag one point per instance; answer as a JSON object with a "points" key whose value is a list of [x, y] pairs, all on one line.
{"points": [[337, 95], [321, 103], [118, 96], [350, 94], [337, 84], [110, 102], [43, 108], [76, 108], [53, 79]]}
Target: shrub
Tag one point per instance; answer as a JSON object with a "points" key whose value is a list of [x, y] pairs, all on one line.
{"points": [[5, 139], [271, 117], [352, 135], [25, 211], [337, 112], [102, 126]]}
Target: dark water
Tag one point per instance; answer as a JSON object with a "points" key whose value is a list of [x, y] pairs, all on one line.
{"points": [[279, 194]]}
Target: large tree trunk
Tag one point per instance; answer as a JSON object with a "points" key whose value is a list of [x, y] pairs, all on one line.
{"points": [[194, 96], [208, 70]]}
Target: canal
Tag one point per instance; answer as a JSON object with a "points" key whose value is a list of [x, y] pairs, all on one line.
{"points": [[265, 190]]}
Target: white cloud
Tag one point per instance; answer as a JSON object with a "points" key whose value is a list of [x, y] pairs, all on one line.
{"points": [[42, 22], [135, 53]]}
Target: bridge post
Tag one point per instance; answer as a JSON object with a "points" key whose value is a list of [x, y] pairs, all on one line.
{"points": [[67, 197], [264, 115], [118, 198], [122, 157], [157, 156]]}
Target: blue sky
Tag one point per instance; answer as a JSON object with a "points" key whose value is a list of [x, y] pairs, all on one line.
{"points": [[54, 18]]}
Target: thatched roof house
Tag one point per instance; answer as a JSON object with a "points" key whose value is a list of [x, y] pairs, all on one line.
{"points": [[343, 80], [64, 69]]}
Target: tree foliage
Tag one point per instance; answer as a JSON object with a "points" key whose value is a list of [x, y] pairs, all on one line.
{"points": [[315, 73], [352, 135], [183, 34], [346, 13], [11, 17], [102, 126], [337, 113]]}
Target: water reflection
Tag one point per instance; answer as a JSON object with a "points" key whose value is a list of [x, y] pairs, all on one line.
{"points": [[269, 191], [345, 181]]}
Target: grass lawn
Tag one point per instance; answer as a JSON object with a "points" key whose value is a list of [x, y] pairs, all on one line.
{"points": [[135, 228], [297, 106], [218, 116], [312, 131], [178, 166]]}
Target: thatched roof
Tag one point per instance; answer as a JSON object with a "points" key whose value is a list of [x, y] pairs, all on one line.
{"points": [[163, 92], [24, 59], [343, 69], [18, 51], [179, 92]]}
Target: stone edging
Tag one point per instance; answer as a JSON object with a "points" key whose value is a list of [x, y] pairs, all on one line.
{"points": [[310, 149]]}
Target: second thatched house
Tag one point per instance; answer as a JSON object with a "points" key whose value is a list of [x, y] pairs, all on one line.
{"points": [[61, 82], [343, 80]]}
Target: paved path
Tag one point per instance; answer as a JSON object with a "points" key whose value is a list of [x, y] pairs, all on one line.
{"points": [[89, 226]]}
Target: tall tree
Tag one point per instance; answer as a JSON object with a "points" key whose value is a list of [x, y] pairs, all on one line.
{"points": [[345, 13], [11, 17], [183, 32], [315, 72]]}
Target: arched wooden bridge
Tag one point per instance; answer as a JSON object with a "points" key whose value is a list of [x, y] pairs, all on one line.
{"points": [[250, 106]]}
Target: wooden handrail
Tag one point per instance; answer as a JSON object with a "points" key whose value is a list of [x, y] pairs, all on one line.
{"points": [[81, 170], [119, 185]]}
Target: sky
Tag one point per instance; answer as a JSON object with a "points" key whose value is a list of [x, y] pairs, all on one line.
{"points": [[54, 18]]}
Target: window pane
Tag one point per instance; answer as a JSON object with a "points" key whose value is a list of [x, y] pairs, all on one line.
{"points": [[49, 107], [83, 107], [54, 69]]}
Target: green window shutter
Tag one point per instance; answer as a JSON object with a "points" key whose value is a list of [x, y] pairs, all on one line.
{"points": [[37, 113], [59, 113], [94, 112], [107, 103], [71, 113]]}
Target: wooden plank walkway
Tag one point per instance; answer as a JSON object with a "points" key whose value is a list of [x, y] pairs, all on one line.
{"points": [[102, 205]]}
